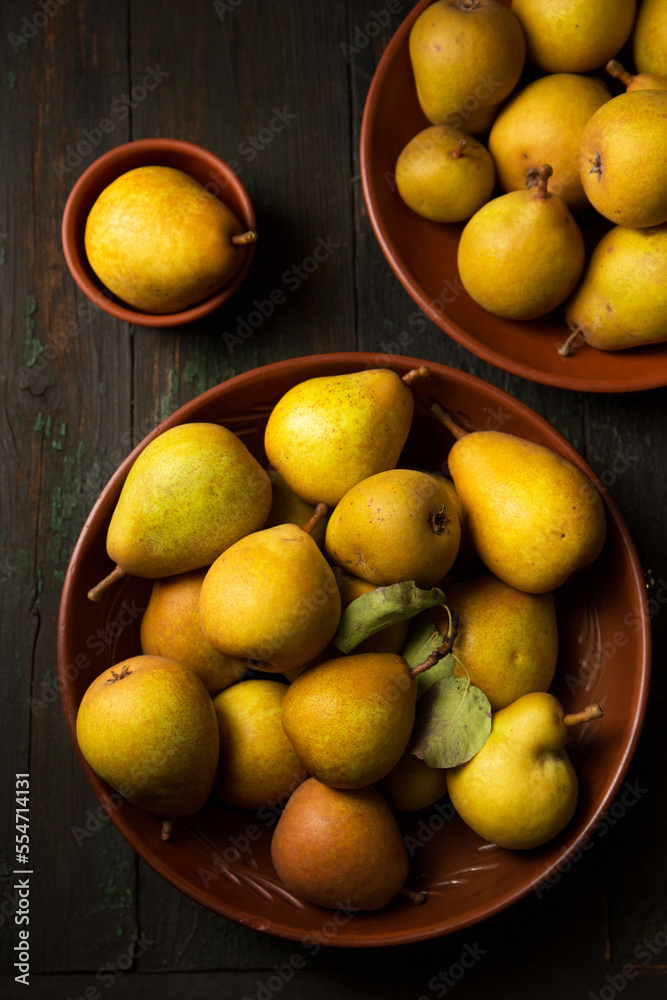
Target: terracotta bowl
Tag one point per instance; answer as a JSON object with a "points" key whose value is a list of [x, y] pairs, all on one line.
{"points": [[465, 879], [422, 255], [212, 172]]}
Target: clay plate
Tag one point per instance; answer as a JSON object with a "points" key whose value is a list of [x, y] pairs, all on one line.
{"points": [[465, 879], [422, 255], [207, 168]]}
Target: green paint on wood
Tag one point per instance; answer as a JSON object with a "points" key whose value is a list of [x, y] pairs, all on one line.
{"points": [[47, 427], [251, 187], [39, 422], [166, 407], [191, 370], [11, 80], [174, 383], [58, 445], [48, 678], [103, 388], [63, 428], [33, 345], [3, 254], [81, 450]]}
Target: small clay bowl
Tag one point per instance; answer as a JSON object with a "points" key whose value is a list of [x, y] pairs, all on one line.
{"points": [[221, 856], [212, 172]]}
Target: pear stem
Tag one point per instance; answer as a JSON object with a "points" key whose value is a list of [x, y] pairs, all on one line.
{"points": [[585, 715], [95, 593], [572, 344], [249, 237], [416, 373], [441, 651], [615, 69], [414, 896], [460, 146], [448, 421], [319, 513], [166, 828], [544, 173]]}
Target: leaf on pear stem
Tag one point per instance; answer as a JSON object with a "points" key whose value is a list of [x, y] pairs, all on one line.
{"points": [[380, 608], [453, 722]]}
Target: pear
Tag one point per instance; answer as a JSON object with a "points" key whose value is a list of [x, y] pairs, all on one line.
{"points": [[534, 518], [350, 718], [328, 433], [575, 36], [507, 639], [640, 81], [412, 785], [467, 57], [622, 158], [193, 491], [520, 790], [271, 598], [161, 242], [544, 123], [147, 727], [170, 627], [258, 765], [522, 254], [621, 300], [394, 526], [391, 639], [333, 847], [288, 508], [649, 39], [444, 174]]}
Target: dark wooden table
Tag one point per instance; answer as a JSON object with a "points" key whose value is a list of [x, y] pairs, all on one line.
{"points": [[277, 88]]}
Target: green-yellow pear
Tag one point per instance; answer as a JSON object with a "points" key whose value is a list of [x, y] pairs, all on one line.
{"points": [[638, 81], [349, 719], [258, 764], [412, 785], [161, 242], [397, 525], [622, 159], [544, 123], [193, 491], [288, 508], [522, 254], [520, 790], [507, 639], [328, 433], [170, 627], [533, 516], [391, 639], [467, 56], [574, 36], [147, 727], [444, 174], [649, 38], [621, 300], [271, 598], [332, 846]]}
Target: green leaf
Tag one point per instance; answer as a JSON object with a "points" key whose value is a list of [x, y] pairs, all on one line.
{"points": [[379, 608], [423, 640], [453, 722]]}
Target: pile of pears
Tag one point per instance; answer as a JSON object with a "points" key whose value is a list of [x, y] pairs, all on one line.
{"points": [[533, 146], [242, 691]]}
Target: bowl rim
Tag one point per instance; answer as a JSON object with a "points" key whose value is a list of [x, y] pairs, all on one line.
{"points": [[279, 927], [77, 262], [654, 378]]}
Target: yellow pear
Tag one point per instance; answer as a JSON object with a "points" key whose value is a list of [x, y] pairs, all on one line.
{"points": [[395, 526], [520, 790], [333, 847], [533, 516], [622, 298], [148, 728], [574, 36], [467, 56], [640, 81], [444, 174], [391, 639], [161, 242], [544, 123], [522, 254], [349, 719], [328, 433], [412, 785], [649, 39], [507, 639], [170, 627], [193, 491], [622, 159], [271, 598], [258, 764]]}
